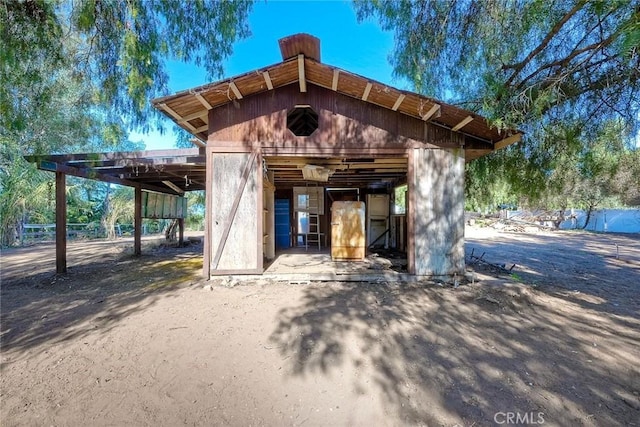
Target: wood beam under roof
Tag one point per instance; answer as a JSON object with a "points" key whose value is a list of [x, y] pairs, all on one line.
{"points": [[93, 174], [196, 115], [178, 118], [367, 90], [301, 77], [463, 123], [174, 187], [203, 101], [235, 90], [431, 113], [398, 102], [336, 77], [507, 141], [267, 80]]}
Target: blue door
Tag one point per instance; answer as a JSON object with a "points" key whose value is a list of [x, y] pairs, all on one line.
{"points": [[283, 226]]}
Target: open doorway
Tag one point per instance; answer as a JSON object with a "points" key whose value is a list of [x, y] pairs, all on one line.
{"points": [[304, 207]]}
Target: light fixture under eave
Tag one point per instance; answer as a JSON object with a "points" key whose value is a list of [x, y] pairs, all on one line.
{"points": [[316, 173]]}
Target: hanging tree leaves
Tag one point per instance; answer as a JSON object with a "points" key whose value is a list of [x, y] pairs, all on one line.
{"points": [[565, 72], [122, 46]]}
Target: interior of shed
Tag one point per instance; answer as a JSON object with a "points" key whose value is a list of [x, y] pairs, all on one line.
{"points": [[300, 198]]}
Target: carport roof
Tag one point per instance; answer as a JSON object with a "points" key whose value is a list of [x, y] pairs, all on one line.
{"points": [[165, 171], [301, 65]]}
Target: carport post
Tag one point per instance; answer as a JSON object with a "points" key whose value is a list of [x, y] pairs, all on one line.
{"points": [[61, 223], [137, 222], [180, 231]]}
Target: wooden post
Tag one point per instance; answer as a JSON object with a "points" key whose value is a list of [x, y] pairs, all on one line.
{"points": [[61, 223], [180, 231], [206, 252], [137, 221], [410, 212]]}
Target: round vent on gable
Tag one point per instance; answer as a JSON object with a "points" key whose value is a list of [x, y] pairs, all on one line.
{"points": [[302, 120]]}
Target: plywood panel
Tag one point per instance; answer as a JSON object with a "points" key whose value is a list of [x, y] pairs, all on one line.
{"points": [[347, 230], [237, 250], [438, 197]]}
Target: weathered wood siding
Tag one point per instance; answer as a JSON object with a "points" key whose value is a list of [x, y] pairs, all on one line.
{"points": [[236, 199], [343, 122], [437, 183]]}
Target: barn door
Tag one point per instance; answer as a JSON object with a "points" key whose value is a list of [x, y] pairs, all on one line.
{"points": [[236, 213]]}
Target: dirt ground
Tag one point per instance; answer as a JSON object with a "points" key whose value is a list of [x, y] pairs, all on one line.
{"points": [[121, 340]]}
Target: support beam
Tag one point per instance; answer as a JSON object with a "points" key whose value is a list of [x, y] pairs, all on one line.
{"points": [[198, 142], [336, 76], [431, 113], [61, 223], [367, 90], [196, 115], [180, 231], [202, 129], [174, 187], [137, 222], [93, 174], [398, 102], [177, 117], [235, 90], [464, 122], [203, 101], [206, 250], [507, 141], [267, 80], [301, 77]]}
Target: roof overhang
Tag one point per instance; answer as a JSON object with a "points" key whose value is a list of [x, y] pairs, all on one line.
{"points": [[301, 65]]}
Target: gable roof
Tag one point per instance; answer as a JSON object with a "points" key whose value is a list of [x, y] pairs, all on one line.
{"points": [[301, 65]]}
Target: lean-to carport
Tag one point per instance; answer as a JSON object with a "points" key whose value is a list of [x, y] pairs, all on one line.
{"points": [[166, 172]]}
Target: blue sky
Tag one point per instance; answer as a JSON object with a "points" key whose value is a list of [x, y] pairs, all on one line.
{"points": [[361, 48]]}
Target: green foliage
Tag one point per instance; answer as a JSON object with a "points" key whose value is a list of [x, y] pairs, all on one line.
{"points": [[76, 73], [566, 73]]}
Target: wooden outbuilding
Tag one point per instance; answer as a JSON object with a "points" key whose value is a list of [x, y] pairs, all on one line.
{"points": [[278, 146], [305, 133]]}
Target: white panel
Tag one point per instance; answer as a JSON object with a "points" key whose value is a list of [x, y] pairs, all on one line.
{"points": [[439, 206]]}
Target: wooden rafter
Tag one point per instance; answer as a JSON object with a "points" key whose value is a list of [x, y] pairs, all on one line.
{"points": [[301, 77], [93, 174], [235, 90], [398, 102], [178, 118], [367, 90], [507, 141], [198, 142], [174, 187], [432, 112], [463, 123], [267, 80], [196, 115], [203, 101], [336, 77], [202, 128]]}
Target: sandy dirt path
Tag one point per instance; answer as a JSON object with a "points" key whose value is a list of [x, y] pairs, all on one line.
{"points": [[126, 341]]}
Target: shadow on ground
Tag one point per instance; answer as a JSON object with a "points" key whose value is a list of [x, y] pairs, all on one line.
{"points": [[46, 308], [441, 355]]}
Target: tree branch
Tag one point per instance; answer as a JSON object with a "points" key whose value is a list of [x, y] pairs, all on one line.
{"points": [[554, 31]]}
